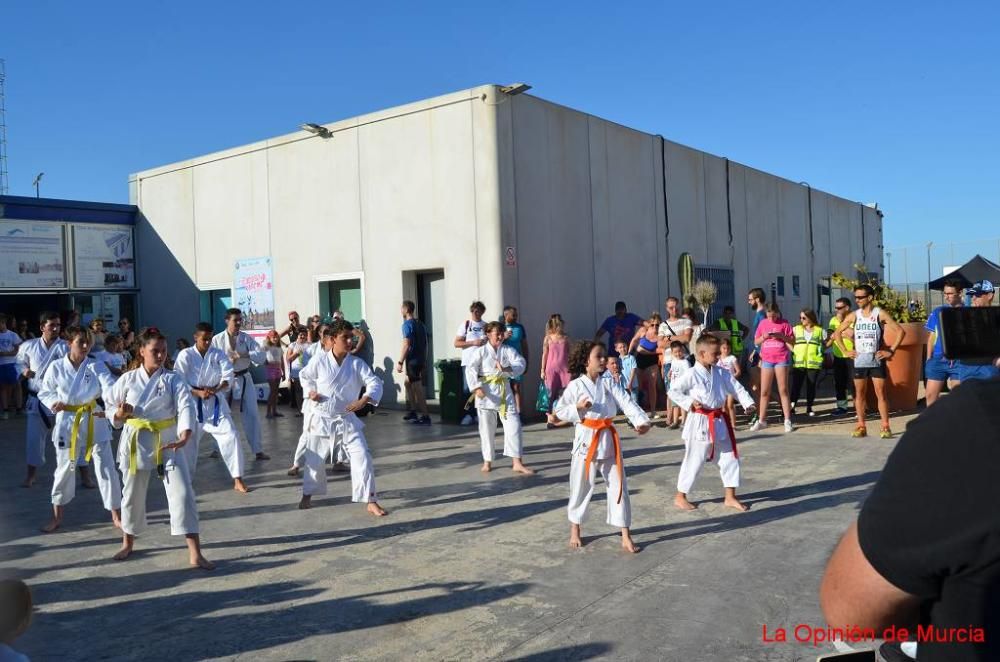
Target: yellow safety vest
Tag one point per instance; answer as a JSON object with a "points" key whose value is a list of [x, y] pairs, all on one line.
{"points": [[735, 337], [848, 342], [808, 351]]}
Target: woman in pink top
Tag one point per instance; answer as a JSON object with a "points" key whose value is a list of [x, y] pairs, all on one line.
{"points": [[774, 337]]}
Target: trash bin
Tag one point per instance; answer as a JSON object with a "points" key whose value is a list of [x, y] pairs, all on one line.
{"points": [[451, 392]]}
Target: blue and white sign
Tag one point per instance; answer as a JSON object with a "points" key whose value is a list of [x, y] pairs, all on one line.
{"points": [[31, 255], [103, 256]]}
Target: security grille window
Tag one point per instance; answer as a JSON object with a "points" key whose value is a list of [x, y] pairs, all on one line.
{"points": [[723, 279]]}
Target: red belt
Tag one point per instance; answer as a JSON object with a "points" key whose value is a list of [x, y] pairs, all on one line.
{"points": [[713, 414], [598, 424]]}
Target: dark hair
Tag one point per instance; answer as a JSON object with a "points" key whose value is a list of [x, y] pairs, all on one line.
{"points": [[690, 313], [204, 327], [724, 341], [74, 332], [620, 305], [845, 301], [301, 329], [6, 318], [479, 305], [338, 327], [48, 315], [673, 298], [955, 283], [811, 314], [494, 326], [143, 338], [579, 356], [15, 608], [728, 309], [758, 293], [232, 312], [868, 289], [409, 306], [677, 344], [772, 308]]}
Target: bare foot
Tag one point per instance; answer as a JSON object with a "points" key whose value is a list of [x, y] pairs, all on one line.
{"points": [[263, 456], [123, 553], [305, 503], [575, 542], [681, 501], [294, 471], [116, 517], [201, 562], [376, 510], [629, 545], [487, 467], [240, 486], [521, 469], [733, 502], [340, 466], [52, 526]]}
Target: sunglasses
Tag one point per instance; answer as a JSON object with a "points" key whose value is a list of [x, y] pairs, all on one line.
{"points": [[861, 298]]}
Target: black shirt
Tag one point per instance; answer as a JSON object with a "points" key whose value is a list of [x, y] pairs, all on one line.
{"points": [[931, 526]]}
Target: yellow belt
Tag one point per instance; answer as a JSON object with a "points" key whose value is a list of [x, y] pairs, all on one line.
{"points": [[79, 411], [502, 381], [156, 427]]}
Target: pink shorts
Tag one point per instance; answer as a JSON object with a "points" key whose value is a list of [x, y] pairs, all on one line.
{"points": [[273, 371]]}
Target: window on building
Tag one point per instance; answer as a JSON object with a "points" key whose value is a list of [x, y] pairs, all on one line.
{"points": [[796, 292], [780, 286], [724, 281], [342, 295], [213, 305]]}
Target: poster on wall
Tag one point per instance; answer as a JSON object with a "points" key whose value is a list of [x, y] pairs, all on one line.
{"points": [[253, 293], [103, 256], [31, 255]]}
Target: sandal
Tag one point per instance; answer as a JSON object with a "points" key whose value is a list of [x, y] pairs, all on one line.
{"points": [[860, 431], [885, 433]]}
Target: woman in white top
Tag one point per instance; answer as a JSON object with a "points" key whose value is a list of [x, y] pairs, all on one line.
{"points": [[297, 356]]}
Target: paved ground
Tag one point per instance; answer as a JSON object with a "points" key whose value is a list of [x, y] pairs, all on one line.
{"points": [[466, 567]]}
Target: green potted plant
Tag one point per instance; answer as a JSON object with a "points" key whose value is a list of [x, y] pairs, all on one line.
{"points": [[904, 367]]}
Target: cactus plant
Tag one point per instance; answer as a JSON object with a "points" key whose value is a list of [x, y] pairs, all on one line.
{"points": [[685, 272]]}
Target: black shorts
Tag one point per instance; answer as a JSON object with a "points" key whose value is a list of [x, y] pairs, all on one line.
{"points": [[414, 371], [644, 361], [865, 373]]}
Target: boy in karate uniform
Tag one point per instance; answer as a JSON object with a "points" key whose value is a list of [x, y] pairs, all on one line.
{"points": [[70, 390], [206, 370], [488, 371], [243, 351], [332, 381], [702, 391]]}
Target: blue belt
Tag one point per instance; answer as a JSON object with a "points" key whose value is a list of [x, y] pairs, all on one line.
{"points": [[215, 414]]}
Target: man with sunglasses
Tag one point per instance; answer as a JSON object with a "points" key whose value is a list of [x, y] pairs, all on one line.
{"points": [[938, 369], [841, 364], [869, 355]]}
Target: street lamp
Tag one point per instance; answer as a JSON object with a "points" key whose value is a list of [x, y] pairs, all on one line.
{"points": [[888, 269], [927, 289], [38, 180], [318, 130]]}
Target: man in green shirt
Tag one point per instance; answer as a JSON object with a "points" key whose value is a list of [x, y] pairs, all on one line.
{"points": [[841, 364]]}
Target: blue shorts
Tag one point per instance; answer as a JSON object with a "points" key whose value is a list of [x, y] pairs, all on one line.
{"points": [[967, 372], [8, 374], [768, 364], [940, 369]]}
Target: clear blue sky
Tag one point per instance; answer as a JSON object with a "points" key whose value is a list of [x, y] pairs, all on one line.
{"points": [[890, 102]]}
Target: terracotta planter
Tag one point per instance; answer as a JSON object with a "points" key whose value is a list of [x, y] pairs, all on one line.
{"points": [[904, 368]]}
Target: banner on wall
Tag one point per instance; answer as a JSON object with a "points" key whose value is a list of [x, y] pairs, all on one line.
{"points": [[31, 255], [103, 256], [253, 293]]}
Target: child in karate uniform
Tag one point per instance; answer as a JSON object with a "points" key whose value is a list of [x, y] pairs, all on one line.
{"points": [[332, 381], [488, 372], [591, 403], [70, 389], [158, 415], [702, 391]]}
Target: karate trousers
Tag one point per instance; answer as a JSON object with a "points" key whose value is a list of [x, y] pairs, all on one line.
{"points": [[64, 478], [180, 496], [581, 489], [355, 448], [512, 442], [247, 406], [696, 454], [225, 436], [38, 434], [299, 457]]}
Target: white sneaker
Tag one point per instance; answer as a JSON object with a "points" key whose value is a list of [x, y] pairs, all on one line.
{"points": [[788, 425], [467, 420], [759, 425]]}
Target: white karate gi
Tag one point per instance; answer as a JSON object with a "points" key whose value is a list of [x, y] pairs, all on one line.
{"points": [[606, 399], [241, 389], [482, 362], [162, 395], [214, 416], [76, 386], [327, 421], [709, 387], [34, 355], [337, 449]]}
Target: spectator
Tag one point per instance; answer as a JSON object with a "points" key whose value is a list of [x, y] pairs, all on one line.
{"points": [[555, 364], [470, 335], [648, 351], [9, 343], [613, 376], [807, 358], [730, 362], [127, 334], [737, 331], [274, 368], [774, 335], [292, 330], [697, 328], [179, 344], [620, 327], [113, 355], [841, 363], [676, 327], [627, 366], [98, 332], [413, 362], [677, 366], [515, 337], [982, 296], [757, 301], [15, 617], [297, 356], [24, 331], [937, 368]]}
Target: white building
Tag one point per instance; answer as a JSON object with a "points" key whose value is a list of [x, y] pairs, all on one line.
{"points": [[482, 195]]}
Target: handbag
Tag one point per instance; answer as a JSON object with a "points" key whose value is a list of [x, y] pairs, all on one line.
{"points": [[543, 402]]}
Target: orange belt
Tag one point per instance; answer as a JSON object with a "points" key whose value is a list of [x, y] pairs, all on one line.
{"points": [[598, 424], [712, 415]]}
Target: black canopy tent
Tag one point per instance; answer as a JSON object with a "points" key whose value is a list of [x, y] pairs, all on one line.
{"points": [[972, 271]]}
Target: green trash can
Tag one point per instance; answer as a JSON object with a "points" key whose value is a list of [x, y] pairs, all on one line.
{"points": [[451, 392]]}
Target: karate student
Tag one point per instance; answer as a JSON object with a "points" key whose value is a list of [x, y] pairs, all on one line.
{"points": [[701, 392], [488, 372], [243, 351], [299, 456], [591, 403], [70, 390], [206, 370], [332, 381], [158, 415], [33, 358]]}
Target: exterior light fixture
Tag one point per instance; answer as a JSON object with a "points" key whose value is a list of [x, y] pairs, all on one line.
{"points": [[320, 131]]}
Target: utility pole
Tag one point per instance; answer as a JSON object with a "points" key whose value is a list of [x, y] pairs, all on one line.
{"points": [[3, 132]]}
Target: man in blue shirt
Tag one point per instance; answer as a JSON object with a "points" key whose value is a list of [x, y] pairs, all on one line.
{"points": [[938, 369], [620, 326], [413, 360]]}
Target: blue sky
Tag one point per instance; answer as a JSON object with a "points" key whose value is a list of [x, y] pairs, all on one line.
{"points": [[890, 102]]}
